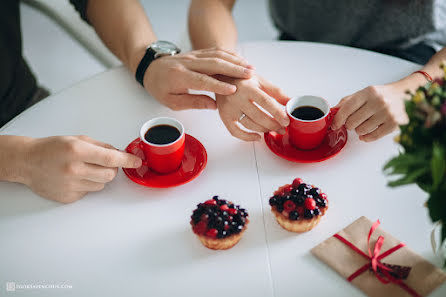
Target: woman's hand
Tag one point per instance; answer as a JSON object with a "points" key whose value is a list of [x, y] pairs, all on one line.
{"points": [[372, 112], [260, 102]]}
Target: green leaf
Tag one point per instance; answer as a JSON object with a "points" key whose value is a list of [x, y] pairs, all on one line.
{"points": [[409, 178], [438, 164], [404, 163], [437, 206]]}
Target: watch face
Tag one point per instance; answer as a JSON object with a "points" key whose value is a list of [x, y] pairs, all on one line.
{"points": [[165, 48]]}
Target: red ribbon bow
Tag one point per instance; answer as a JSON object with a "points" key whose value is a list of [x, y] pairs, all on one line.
{"points": [[383, 273]]}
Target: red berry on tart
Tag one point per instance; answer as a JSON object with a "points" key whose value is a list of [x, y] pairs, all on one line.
{"points": [[299, 209]]}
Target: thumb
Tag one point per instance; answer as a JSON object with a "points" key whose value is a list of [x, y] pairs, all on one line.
{"points": [[273, 91], [190, 101]]}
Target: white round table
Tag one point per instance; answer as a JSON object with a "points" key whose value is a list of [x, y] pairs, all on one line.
{"points": [[129, 240]]}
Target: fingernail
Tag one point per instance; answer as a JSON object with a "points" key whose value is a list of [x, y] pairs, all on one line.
{"points": [[138, 163], [248, 71], [232, 88], [281, 131], [285, 122], [250, 66]]}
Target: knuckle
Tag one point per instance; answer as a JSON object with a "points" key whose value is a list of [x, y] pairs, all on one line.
{"points": [[373, 90], [84, 137], [175, 70], [71, 169]]}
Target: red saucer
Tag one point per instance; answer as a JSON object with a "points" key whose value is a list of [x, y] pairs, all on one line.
{"points": [[332, 145], [194, 161]]}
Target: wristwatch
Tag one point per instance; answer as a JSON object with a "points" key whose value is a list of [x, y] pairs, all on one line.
{"points": [[154, 51]]}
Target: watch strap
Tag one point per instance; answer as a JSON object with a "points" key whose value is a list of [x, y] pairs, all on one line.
{"points": [[148, 58]]}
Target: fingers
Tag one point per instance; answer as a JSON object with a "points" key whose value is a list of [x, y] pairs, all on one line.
{"points": [[251, 125], [348, 107], [381, 131], [99, 174], [110, 158], [187, 101], [359, 116], [236, 131], [261, 118], [225, 55], [89, 186], [203, 82], [274, 91], [96, 142], [371, 124], [271, 106], [213, 66]]}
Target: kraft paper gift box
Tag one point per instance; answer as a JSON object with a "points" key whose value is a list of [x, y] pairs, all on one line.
{"points": [[336, 252]]}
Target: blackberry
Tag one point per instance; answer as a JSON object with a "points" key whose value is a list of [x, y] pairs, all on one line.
{"points": [[231, 205], [315, 192], [222, 234], [279, 208], [215, 197], [273, 200], [316, 212], [308, 214], [321, 203], [294, 192], [222, 202], [300, 200], [294, 215]]}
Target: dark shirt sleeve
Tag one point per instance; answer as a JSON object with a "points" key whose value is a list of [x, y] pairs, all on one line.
{"points": [[81, 7]]}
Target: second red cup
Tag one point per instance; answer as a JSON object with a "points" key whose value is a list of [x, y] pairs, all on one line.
{"points": [[310, 118], [162, 142]]}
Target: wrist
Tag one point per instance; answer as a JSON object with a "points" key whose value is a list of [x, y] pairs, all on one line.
{"points": [[410, 83], [15, 159]]}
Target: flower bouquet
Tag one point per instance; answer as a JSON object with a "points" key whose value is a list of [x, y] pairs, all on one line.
{"points": [[423, 140]]}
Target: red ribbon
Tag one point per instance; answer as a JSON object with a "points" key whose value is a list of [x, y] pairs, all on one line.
{"points": [[383, 274]]}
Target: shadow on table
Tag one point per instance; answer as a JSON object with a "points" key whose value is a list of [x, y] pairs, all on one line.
{"points": [[21, 201], [182, 247]]}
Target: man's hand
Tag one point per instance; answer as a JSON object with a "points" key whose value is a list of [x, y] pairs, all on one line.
{"points": [[169, 78], [372, 112], [66, 168], [253, 97]]}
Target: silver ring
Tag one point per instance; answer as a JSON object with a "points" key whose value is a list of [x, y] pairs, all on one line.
{"points": [[242, 117]]}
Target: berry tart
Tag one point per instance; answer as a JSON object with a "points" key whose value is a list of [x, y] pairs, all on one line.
{"points": [[298, 207], [218, 223]]}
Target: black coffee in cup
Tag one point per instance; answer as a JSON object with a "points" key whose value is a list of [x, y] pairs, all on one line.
{"points": [[162, 134], [307, 113]]}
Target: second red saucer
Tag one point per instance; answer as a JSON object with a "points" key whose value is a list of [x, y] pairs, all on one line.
{"points": [[333, 143], [194, 161]]}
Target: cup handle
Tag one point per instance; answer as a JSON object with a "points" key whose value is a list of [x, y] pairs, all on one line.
{"points": [[138, 145], [331, 115]]}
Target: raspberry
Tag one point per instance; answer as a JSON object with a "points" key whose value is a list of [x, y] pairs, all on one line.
{"points": [[232, 211], [224, 207], [211, 202], [297, 182], [200, 228], [212, 233], [310, 203], [289, 206]]}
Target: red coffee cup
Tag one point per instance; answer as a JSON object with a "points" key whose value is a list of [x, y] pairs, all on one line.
{"points": [[309, 134], [162, 158]]}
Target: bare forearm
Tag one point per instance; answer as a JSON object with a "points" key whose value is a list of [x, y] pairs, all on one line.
{"points": [[124, 28], [13, 158], [211, 24], [414, 80]]}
